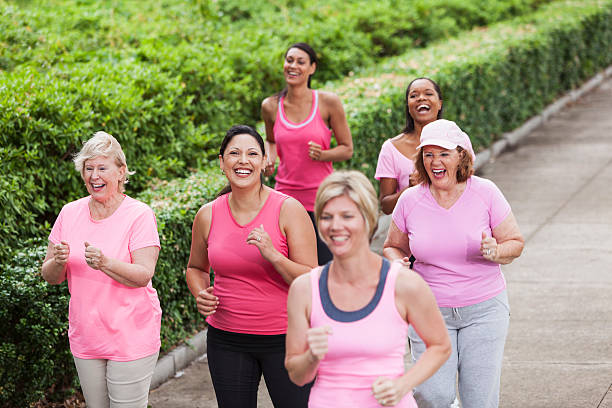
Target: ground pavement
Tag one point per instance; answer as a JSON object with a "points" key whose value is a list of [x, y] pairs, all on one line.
{"points": [[559, 348]]}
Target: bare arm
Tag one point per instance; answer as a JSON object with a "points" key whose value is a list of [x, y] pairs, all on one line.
{"points": [[138, 273], [506, 244], [397, 245], [416, 303], [54, 266], [339, 125], [197, 275], [301, 241], [268, 114], [302, 361], [389, 194]]}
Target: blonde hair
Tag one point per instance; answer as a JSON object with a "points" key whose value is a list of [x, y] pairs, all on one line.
{"points": [[358, 188], [102, 144]]}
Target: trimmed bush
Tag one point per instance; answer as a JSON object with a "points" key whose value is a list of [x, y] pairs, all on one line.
{"points": [[34, 351], [176, 204], [492, 79], [45, 118], [70, 68]]}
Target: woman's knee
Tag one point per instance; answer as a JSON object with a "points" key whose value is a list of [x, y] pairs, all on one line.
{"points": [[434, 397]]}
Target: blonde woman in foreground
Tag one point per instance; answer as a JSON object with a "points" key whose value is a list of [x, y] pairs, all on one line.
{"points": [[348, 321]]}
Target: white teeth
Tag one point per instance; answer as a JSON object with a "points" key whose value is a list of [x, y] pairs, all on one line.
{"points": [[339, 239], [98, 185], [438, 171], [422, 107], [243, 171]]}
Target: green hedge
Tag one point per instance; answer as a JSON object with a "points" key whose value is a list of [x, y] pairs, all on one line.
{"points": [[45, 118], [492, 80], [34, 351], [69, 68]]}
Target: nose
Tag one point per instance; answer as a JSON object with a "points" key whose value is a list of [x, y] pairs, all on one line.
{"points": [[335, 223]]}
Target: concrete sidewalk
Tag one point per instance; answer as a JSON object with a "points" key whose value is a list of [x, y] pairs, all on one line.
{"points": [[558, 180]]}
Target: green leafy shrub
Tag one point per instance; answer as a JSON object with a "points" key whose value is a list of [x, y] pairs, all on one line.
{"points": [[45, 118], [70, 68], [175, 204], [492, 79], [34, 351]]}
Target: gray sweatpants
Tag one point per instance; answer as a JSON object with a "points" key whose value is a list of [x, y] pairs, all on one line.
{"points": [[478, 334], [108, 383]]}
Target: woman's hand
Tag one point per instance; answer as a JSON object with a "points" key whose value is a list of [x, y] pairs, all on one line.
{"points": [[314, 150], [388, 392], [269, 169], [488, 247], [207, 302], [61, 252], [94, 257], [412, 179], [260, 238], [317, 342]]}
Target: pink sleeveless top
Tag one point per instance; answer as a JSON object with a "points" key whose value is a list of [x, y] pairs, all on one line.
{"points": [[298, 175], [365, 344], [252, 294]]}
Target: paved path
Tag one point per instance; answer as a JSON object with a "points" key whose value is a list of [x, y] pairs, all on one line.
{"points": [[559, 348]]}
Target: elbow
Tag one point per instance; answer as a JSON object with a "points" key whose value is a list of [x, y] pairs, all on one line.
{"points": [[387, 210], [388, 251], [52, 281], [144, 280], [141, 283], [349, 152]]}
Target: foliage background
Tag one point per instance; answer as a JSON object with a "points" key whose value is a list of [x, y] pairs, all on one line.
{"points": [[165, 97]]}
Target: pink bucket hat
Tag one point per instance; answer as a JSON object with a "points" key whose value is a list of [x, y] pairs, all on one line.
{"points": [[446, 134]]}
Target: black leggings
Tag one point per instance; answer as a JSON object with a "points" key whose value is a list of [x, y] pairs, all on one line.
{"points": [[324, 255], [236, 362]]}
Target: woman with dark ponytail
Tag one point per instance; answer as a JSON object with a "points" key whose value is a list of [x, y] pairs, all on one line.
{"points": [[257, 241], [395, 169], [299, 125]]}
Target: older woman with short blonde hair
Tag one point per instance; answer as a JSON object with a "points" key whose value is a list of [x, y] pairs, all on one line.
{"points": [[106, 246]]}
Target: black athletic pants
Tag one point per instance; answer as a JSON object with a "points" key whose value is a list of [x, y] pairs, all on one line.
{"points": [[237, 361]]}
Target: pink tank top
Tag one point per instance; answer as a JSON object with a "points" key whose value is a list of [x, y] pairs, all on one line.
{"points": [[298, 175], [252, 294], [365, 344]]}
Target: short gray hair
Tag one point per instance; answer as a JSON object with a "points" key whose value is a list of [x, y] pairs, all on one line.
{"points": [[102, 144], [358, 188]]}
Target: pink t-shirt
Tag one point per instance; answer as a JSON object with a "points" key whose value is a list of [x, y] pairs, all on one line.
{"points": [[365, 344], [446, 243], [252, 294], [393, 164], [298, 175], [108, 320]]}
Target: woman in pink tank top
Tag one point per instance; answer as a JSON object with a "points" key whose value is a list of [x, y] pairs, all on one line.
{"points": [[257, 241], [299, 125], [348, 321]]}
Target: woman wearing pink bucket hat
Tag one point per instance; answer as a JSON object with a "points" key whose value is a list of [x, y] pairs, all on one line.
{"points": [[460, 228]]}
